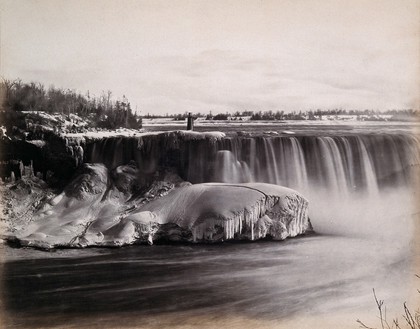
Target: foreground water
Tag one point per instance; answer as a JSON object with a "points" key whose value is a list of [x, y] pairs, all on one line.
{"points": [[268, 283], [319, 275]]}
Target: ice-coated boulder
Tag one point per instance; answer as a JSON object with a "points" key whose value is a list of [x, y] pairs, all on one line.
{"points": [[219, 211], [94, 211]]}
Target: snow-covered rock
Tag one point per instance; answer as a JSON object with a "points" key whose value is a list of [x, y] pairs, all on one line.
{"points": [[219, 211], [99, 208]]}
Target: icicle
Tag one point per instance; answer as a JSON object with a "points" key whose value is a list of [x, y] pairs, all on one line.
{"points": [[226, 227], [227, 230], [31, 172], [21, 169], [194, 233], [140, 143], [237, 221]]}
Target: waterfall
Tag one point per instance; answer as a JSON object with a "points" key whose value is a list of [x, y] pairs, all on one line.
{"points": [[229, 170], [341, 165], [369, 176], [331, 166]]}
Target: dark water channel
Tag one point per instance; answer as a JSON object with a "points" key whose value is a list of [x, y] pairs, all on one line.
{"points": [[271, 280]]}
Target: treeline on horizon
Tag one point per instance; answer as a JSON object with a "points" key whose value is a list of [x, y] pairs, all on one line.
{"points": [[400, 115], [102, 111]]}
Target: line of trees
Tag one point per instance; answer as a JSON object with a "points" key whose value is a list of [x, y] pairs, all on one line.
{"points": [[102, 111], [306, 115], [318, 114], [278, 115]]}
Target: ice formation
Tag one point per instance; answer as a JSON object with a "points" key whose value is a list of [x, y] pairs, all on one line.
{"points": [[99, 208], [219, 211]]}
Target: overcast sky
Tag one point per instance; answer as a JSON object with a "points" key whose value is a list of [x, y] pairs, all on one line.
{"points": [[174, 56]]}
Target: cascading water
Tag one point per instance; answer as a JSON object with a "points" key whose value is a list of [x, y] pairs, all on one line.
{"points": [[339, 164], [230, 170]]}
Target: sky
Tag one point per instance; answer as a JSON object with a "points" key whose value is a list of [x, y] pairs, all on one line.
{"points": [[175, 56]]}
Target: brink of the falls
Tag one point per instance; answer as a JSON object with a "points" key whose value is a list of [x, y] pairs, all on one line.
{"points": [[99, 208]]}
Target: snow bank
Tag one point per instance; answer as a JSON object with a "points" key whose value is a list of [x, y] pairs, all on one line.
{"points": [[187, 134], [99, 208]]}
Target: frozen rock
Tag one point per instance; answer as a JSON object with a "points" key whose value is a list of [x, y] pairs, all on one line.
{"points": [[125, 177], [242, 211], [92, 211]]}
